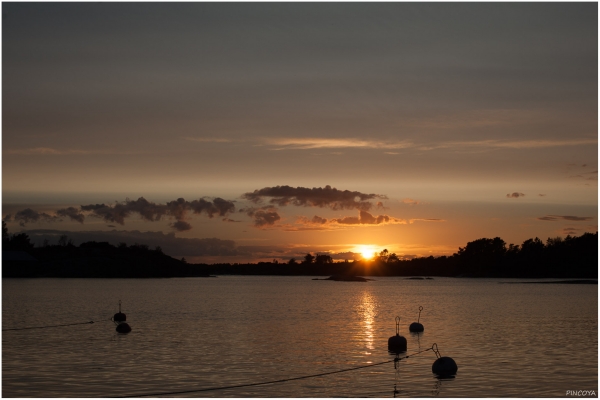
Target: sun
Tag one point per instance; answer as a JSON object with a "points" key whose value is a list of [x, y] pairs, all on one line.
{"points": [[366, 250]]}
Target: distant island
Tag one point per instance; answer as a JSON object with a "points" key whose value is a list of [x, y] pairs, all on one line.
{"points": [[571, 257], [344, 278]]}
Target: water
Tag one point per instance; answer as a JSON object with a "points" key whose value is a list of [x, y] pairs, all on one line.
{"points": [[509, 340]]}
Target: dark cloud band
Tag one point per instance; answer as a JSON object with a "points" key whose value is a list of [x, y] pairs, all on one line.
{"points": [[564, 218], [147, 210], [315, 197]]}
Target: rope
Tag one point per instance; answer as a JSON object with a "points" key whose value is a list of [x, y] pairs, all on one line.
{"points": [[270, 382], [48, 326]]}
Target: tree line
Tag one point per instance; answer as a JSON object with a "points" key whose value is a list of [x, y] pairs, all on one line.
{"points": [[89, 260], [571, 257]]}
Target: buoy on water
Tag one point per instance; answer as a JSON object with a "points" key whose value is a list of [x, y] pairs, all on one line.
{"points": [[417, 326], [397, 344], [123, 327], [119, 319], [443, 366]]}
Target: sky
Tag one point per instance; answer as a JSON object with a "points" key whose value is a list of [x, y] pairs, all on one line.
{"points": [[240, 132]]}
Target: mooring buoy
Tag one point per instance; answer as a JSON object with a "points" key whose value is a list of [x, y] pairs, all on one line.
{"points": [[119, 317], [417, 326], [443, 366], [397, 344], [123, 327]]}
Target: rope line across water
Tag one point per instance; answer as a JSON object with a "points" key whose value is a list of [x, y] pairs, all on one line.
{"points": [[49, 326], [276, 381]]}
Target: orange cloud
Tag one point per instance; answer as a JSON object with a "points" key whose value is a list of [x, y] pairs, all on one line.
{"points": [[319, 143], [411, 202], [427, 220]]}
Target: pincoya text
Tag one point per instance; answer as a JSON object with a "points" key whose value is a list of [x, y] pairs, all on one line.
{"points": [[580, 393]]}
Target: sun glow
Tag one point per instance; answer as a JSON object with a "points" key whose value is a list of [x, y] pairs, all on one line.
{"points": [[366, 250]]}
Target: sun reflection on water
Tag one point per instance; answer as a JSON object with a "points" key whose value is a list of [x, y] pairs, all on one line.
{"points": [[367, 309]]}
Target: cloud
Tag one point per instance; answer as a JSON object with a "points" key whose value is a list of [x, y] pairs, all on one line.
{"points": [[576, 172], [151, 211], [365, 218], [510, 144], [116, 213], [411, 202], [28, 215], [181, 226], [315, 220], [515, 195], [302, 223], [319, 143], [315, 197], [541, 195], [72, 213], [564, 217], [92, 207], [547, 218], [250, 211], [426, 220], [217, 206], [318, 220], [380, 206], [588, 176], [265, 217], [147, 210]]}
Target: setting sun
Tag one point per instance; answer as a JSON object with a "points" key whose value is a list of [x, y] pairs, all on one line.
{"points": [[367, 251]]}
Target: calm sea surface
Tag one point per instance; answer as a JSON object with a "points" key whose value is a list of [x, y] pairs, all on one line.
{"points": [[509, 340]]}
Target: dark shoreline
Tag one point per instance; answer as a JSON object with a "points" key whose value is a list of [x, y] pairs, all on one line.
{"points": [[572, 258], [571, 282]]}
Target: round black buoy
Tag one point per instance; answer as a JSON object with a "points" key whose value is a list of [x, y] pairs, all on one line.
{"points": [[443, 366], [123, 327], [397, 344], [417, 326], [119, 317]]}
